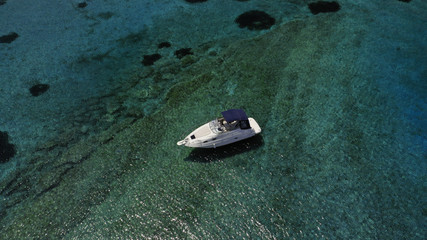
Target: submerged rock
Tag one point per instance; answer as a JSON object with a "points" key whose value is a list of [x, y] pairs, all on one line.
{"points": [[150, 59], [2, 2], [38, 89], [323, 7], [82, 5], [255, 20], [7, 150], [195, 1], [9, 38], [164, 45], [183, 52]]}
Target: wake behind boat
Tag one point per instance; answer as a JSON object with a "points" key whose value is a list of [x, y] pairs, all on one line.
{"points": [[233, 126]]}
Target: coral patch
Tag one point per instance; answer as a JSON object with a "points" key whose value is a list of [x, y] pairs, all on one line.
{"points": [[38, 89], [150, 59], [82, 5], [164, 45], [195, 1], [323, 7], [183, 52], [255, 20], [9, 38], [7, 150]]}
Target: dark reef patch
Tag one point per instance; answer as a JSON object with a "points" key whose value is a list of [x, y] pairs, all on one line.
{"points": [[255, 20], [183, 52], [405, 0], [195, 1], [82, 5], [105, 15], [323, 7], [164, 45], [2, 2], [38, 89], [7, 150], [9, 37], [150, 59]]}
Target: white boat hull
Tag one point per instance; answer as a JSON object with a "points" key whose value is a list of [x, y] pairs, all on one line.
{"points": [[204, 137]]}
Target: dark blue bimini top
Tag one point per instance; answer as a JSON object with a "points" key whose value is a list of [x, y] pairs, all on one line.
{"points": [[234, 114]]}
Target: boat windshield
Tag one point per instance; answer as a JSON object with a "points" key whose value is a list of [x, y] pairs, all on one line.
{"points": [[216, 126]]}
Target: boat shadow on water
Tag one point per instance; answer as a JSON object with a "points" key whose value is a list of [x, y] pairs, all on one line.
{"points": [[207, 155]]}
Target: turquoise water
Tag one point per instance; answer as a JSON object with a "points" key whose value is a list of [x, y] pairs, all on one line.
{"points": [[340, 97]]}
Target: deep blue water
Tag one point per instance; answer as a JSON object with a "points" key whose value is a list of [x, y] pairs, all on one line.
{"points": [[340, 97]]}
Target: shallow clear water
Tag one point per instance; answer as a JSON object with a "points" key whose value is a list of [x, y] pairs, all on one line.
{"points": [[340, 98]]}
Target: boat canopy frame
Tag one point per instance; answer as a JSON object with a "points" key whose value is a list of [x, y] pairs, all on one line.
{"points": [[234, 115], [237, 115]]}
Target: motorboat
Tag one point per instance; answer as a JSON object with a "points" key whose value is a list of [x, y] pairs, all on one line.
{"points": [[233, 126]]}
